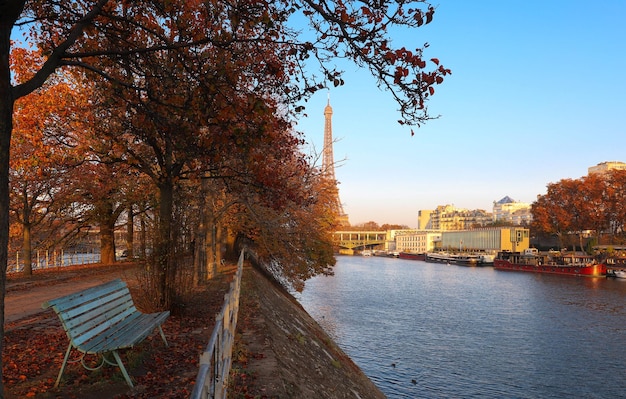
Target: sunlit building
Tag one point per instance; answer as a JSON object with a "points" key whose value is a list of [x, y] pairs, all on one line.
{"points": [[416, 241], [490, 239], [423, 220], [604, 167], [447, 217], [511, 211]]}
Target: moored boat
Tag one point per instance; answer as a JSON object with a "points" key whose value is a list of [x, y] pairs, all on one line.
{"points": [[465, 259], [551, 263], [617, 273], [439, 257], [412, 255], [461, 258]]}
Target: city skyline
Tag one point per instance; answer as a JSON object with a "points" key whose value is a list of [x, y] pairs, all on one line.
{"points": [[535, 96]]}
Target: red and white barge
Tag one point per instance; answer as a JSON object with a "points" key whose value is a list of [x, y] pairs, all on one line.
{"points": [[550, 263]]}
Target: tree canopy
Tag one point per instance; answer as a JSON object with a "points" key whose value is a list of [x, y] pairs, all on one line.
{"points": [[592, 203], [207, 92]]}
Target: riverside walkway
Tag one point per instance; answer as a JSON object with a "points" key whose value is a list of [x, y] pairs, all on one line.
{"points": [[25, 295]]}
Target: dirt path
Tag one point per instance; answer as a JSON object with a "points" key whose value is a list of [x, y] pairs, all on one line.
{"points": [[26, 295]]}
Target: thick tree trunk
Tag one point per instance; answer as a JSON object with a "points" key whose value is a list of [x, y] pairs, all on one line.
{"points": [[165, 265], [27, 252], [106, 219], [6, 128], [107, 241]]}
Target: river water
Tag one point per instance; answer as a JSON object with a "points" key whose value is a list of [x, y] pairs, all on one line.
{"points": [[426, 330]]}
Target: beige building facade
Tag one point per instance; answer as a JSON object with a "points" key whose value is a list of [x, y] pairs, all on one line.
{"points": [[447, 217], [423, 220], [509, 210], [416, 241], [604, 167]]}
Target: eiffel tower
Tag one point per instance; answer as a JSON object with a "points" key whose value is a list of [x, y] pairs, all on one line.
{"points": [[328, 162]]}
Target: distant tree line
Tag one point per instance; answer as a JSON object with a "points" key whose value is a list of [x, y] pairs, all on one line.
{"points": [[373, 226]]}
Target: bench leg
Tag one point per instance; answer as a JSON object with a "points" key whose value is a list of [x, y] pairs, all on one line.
{"points": [[67, 355], [122, 369], [163, 335]]}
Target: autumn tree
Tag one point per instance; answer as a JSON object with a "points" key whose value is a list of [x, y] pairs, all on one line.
{"points": [[575, 206], [43, 161], [594, 201], [550, 212], [291, 223], [76, 33], [171, 129]]}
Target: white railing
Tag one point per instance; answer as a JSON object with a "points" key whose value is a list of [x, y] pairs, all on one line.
{"points": [[215, 361], [43, 259]]}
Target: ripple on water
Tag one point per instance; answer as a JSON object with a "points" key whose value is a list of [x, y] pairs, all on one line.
{"points": [[473, 332]]}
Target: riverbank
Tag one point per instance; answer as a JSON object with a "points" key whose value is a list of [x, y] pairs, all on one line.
{"points": [[281, 352]]}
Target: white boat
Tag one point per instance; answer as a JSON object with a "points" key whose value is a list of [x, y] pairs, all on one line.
{"points": [[486, 259], [468, 259], [366, 253], [619, 273]]}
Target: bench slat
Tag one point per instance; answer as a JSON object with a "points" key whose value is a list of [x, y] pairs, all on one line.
{"points": [[85, 295], [96, 306], [88, 331], [106, 311], [127, 334]]}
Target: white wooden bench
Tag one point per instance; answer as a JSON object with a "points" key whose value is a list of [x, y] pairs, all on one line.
{"points": [[102, 320]]}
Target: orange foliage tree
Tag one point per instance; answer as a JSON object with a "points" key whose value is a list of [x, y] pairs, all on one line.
{"points": [[576, 206], [43, 164], [79, 33]]}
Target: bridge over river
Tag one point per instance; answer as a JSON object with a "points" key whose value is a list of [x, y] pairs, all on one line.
{"points": [[351, 241]]}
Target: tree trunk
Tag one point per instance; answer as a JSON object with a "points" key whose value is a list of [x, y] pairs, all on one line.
{"points": [[27, 251], [143, 238], [130, 233], [199, 251], [200, 255], [165, 266], [107, 219], [6, 128], [580, 241], [212, 250], [219, 246], [107, 241]]}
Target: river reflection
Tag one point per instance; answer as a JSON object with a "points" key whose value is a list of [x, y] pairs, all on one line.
{"points": [[422, 330]]}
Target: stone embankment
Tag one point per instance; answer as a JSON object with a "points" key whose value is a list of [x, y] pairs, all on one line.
{"points": [[281, 352]]}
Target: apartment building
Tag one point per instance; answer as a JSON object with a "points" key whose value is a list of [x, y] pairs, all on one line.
{"points": [[604, 167], [511, 211], [447, 217]]}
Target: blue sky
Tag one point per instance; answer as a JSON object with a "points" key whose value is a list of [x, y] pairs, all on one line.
{"points": [[537, 94]]}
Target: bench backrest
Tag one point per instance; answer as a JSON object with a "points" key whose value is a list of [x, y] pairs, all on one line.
{"points": [[87, 313]]}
